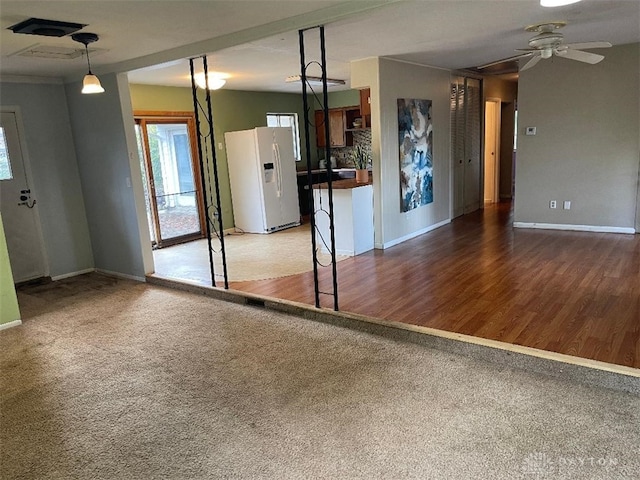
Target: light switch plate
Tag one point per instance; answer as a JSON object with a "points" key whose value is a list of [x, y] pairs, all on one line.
{"points": [[530, 131]]}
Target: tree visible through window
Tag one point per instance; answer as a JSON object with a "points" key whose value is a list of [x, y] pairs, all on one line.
{"points": [[287, 120]]}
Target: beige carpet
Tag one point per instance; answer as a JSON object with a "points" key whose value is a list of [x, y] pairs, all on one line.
{"points": [[250, 256], [112, 379]]}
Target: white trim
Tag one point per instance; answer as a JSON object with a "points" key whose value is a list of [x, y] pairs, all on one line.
{"points": [[577, 228], [121, 275], [72, 274], [14, 323], [31, 79], [415, 234]]}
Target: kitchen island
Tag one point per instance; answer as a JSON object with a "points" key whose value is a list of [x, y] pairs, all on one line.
{"points": [[352, 216]]}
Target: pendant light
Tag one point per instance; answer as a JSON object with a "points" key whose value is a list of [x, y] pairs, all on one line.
{"points": [[91, 83]]}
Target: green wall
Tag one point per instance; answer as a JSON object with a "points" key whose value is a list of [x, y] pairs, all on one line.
{"points": [[9, 311], [236, 110]]}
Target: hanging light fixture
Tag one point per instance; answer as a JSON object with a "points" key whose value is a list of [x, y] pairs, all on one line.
{"points": [[91, 83], [215, 80]]}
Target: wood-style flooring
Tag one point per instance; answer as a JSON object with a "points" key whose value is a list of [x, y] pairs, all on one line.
{"points": [[574, 293]]}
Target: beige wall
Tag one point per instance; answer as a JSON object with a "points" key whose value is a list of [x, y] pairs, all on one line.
{"points": [[587, 148], [390, 80]]}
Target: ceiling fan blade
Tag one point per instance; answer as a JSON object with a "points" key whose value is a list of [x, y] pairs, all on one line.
{"points": [[508, 59], [580, 56], [588, 45], [531, 63]]}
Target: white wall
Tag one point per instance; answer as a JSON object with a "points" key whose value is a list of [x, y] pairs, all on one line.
{"points": [[587, 147], [390, 80], [102, 127], [55, 174]]}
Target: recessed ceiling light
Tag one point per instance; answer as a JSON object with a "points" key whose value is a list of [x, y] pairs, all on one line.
{"points": [[557, 3]]}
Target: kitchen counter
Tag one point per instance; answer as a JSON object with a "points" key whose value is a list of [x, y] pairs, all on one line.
{"points": [[344, 184], [352, 216], [339, 171]]}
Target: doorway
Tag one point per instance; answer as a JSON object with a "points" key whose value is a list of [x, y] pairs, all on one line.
{"points": [[492, 151], [18, 204], [170, 176]]}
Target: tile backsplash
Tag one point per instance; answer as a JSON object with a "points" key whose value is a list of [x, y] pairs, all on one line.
{"points": [[343, 155]]}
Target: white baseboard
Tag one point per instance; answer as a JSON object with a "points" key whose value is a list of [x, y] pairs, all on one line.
{"points": [[415, 234], [73, 274], [121, 275], [14, 323], [577, 228]]}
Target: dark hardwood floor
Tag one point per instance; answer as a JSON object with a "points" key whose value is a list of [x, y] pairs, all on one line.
{"points": [[574, 293]]}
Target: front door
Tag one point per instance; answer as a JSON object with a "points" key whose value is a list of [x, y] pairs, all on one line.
{"points": [[18, 206]]}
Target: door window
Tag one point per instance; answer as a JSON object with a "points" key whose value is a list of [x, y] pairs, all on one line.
{"points": [[5, 164]]}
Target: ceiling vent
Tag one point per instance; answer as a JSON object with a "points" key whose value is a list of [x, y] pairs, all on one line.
{"points": [[47, 28], [60, 53]]}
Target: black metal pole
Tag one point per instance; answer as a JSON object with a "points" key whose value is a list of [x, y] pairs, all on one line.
{"points": [[194, 91], [312, 216], [329, 169], [215, 172]]}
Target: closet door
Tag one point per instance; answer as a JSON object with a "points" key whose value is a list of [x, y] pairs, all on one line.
{"points": [[466, 143]]}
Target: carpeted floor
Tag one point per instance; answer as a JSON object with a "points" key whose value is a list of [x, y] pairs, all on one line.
{"points": [[250, 256], [112, 379]]}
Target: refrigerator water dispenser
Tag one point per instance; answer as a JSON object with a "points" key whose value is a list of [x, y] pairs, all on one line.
{"points": [[268, 172]]}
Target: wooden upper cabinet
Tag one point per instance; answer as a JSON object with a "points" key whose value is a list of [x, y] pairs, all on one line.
{"points": [[365, 107], [365, 101], [337, 126]]}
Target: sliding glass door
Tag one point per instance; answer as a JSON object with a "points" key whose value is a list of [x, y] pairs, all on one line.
{"points": [[171, 178]]}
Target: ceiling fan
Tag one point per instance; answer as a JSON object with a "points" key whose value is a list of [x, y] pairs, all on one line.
{"points": [[548, 42]]}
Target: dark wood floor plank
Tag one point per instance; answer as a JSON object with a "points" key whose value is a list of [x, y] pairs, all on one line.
{"points": [[575, 293]]}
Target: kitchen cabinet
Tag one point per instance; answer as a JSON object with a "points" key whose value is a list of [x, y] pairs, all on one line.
{"points": [[365, 107], [340, 126]]}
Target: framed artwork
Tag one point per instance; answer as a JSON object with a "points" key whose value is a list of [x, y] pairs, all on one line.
{"points": [[415, 130]]}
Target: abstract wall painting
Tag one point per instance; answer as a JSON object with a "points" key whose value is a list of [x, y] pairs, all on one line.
{"points": [[416, 153]]}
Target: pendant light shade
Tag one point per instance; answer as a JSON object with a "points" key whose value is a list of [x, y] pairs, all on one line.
{"points": [[215, 81], [91, 83]]}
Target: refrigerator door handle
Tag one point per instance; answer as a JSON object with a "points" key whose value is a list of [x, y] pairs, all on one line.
{"points": [[276, 158]]}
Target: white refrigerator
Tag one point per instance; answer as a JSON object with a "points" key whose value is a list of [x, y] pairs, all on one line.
{"points": [[262, 173]]}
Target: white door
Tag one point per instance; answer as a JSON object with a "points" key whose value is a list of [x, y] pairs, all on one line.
{"points": [[18, 206]]}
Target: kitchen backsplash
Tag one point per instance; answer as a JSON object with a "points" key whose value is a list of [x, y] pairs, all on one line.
{"points": [[343, 155]]}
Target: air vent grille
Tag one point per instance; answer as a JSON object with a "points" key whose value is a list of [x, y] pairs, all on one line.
{"points": [[47, 28], [58, 53]]}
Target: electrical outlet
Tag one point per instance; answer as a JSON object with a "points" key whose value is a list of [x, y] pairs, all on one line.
{"points": [[553, 204], [567, 205]]}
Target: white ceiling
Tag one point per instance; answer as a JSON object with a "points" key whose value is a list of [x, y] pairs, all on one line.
{"points": [[256, 42]]}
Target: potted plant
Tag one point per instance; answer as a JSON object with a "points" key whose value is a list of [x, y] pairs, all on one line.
{"points": [[361, 160]]}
